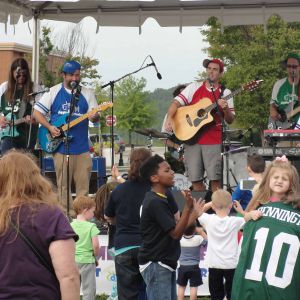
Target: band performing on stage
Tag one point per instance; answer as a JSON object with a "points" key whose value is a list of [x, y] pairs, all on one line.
{"points": [[211, 191]]}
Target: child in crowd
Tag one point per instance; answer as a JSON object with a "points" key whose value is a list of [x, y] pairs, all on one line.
{"points": [[101, 199], [189, 260], [255, 168], [222, 250], [269, 263], [161, 235], [87, 247]]}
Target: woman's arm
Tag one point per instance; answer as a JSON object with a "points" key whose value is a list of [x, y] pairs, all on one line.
{"points": [[62, 254]]}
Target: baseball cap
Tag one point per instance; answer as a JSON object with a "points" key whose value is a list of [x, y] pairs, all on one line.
{"points": [[71, 66], [291, 55], [207, 61]]}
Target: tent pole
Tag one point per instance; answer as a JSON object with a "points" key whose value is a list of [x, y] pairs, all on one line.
{"points": [[35, 49]]}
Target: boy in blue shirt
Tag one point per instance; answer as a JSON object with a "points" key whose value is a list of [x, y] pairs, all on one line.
{"points": [[255, 167]]}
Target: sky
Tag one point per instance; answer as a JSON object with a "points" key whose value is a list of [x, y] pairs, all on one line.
{"points": [[121, 50]]}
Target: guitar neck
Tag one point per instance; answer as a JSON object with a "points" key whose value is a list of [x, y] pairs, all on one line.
{"points": [[79, 119], [293, 112], [233, 94], [101, 107], [227, 97]]}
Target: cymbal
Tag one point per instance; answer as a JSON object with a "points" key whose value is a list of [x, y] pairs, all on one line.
{"points": [[151, 132]]}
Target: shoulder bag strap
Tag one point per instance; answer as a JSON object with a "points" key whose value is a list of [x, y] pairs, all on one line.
{"points": [[35, 250]]}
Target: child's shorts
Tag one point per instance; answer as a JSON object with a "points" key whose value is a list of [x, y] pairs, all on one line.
{"points": [[189, 273]]}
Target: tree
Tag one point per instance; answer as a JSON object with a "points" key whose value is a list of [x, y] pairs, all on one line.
{"points": [[131, 107], [74, 43], [46, 47], [249, 52], [73, 47]]}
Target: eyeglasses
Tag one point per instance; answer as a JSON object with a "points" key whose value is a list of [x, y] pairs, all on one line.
{"points": [[292, 66], [22, 75]]}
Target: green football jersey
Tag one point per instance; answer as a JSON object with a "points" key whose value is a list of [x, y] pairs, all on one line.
{"points": [[269, 263]]}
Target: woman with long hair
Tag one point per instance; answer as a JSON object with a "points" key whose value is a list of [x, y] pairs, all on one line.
{"points": [[16, 107], [29, 211]]}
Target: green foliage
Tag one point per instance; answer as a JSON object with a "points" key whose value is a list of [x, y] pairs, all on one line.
{"points": [[161, 98], [88, 72], [46, 47], [131, 106], [250, 52]]}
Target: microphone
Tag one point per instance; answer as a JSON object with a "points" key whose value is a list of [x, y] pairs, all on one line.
{"points": [[294, 73], [210, 81], [45, 90], [154, 65], [73, 84]]}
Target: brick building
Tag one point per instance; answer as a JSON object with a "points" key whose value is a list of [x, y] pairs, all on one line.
{"points": [[10, 51]]}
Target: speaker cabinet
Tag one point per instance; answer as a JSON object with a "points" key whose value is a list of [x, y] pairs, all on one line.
{"points": [[98, 174]]}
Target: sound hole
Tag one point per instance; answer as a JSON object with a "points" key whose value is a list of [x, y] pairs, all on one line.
{"points": [[201, 113]]}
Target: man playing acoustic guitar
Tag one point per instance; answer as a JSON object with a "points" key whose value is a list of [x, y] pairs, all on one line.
{"points": [[204, 153], [57, 104]]}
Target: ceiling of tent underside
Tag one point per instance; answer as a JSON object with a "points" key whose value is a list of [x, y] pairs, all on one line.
{"points": [[165, 12]]}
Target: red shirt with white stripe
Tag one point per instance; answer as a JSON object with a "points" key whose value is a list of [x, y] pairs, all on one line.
{"points": [[210, 134]]}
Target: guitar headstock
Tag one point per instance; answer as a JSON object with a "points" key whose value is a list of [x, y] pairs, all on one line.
{"points": [[104, 106], [252, 85]]}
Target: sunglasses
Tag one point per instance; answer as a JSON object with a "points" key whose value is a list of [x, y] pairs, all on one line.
{"points": [[292, 66]]}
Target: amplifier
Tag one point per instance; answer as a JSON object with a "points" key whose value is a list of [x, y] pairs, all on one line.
{"points": [[98, 174]]}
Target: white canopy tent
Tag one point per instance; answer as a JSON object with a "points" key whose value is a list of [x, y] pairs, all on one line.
{"points": [[134, 13]]}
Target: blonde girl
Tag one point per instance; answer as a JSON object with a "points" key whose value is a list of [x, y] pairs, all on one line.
{"points": [[280, 183]]}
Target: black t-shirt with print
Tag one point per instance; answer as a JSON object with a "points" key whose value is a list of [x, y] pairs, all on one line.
{"points": [[156, 222]]}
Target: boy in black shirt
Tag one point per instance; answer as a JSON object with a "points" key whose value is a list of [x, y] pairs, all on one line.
{"points": [[161, 235]]}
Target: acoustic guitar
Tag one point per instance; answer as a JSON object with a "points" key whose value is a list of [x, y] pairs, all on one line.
{"points": [[49, 143], [189, 120]]}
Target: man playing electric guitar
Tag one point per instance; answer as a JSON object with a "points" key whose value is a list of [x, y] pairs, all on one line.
{"points": [[205, 153], [285, 94], [57, 103]]}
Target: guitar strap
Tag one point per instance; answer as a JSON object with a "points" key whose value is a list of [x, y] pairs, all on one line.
{"points": [[223, 88], [23, 106]]}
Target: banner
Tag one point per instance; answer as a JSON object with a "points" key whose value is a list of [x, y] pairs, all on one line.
{"points": [[106, 275]]}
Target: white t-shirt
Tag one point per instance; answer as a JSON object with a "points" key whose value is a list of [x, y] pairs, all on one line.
{"points": [[222, 236]]}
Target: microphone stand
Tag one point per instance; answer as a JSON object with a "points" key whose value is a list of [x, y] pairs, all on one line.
{"points": [[67, 147], [112, 86], [222, 139], [12, 119], [30, 126]]}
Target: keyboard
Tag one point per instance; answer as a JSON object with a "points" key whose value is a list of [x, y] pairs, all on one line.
{"points": [[292, 153], [275, 135]]}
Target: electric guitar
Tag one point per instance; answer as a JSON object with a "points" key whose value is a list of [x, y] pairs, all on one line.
{"points": [[49, 143], [285, 121], [188, 120], [11, 130]]}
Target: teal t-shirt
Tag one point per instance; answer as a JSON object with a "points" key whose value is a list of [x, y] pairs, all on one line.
{"points": [[84, 246]]}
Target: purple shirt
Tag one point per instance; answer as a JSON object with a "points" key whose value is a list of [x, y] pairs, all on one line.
{"points": [[22, 276]]}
